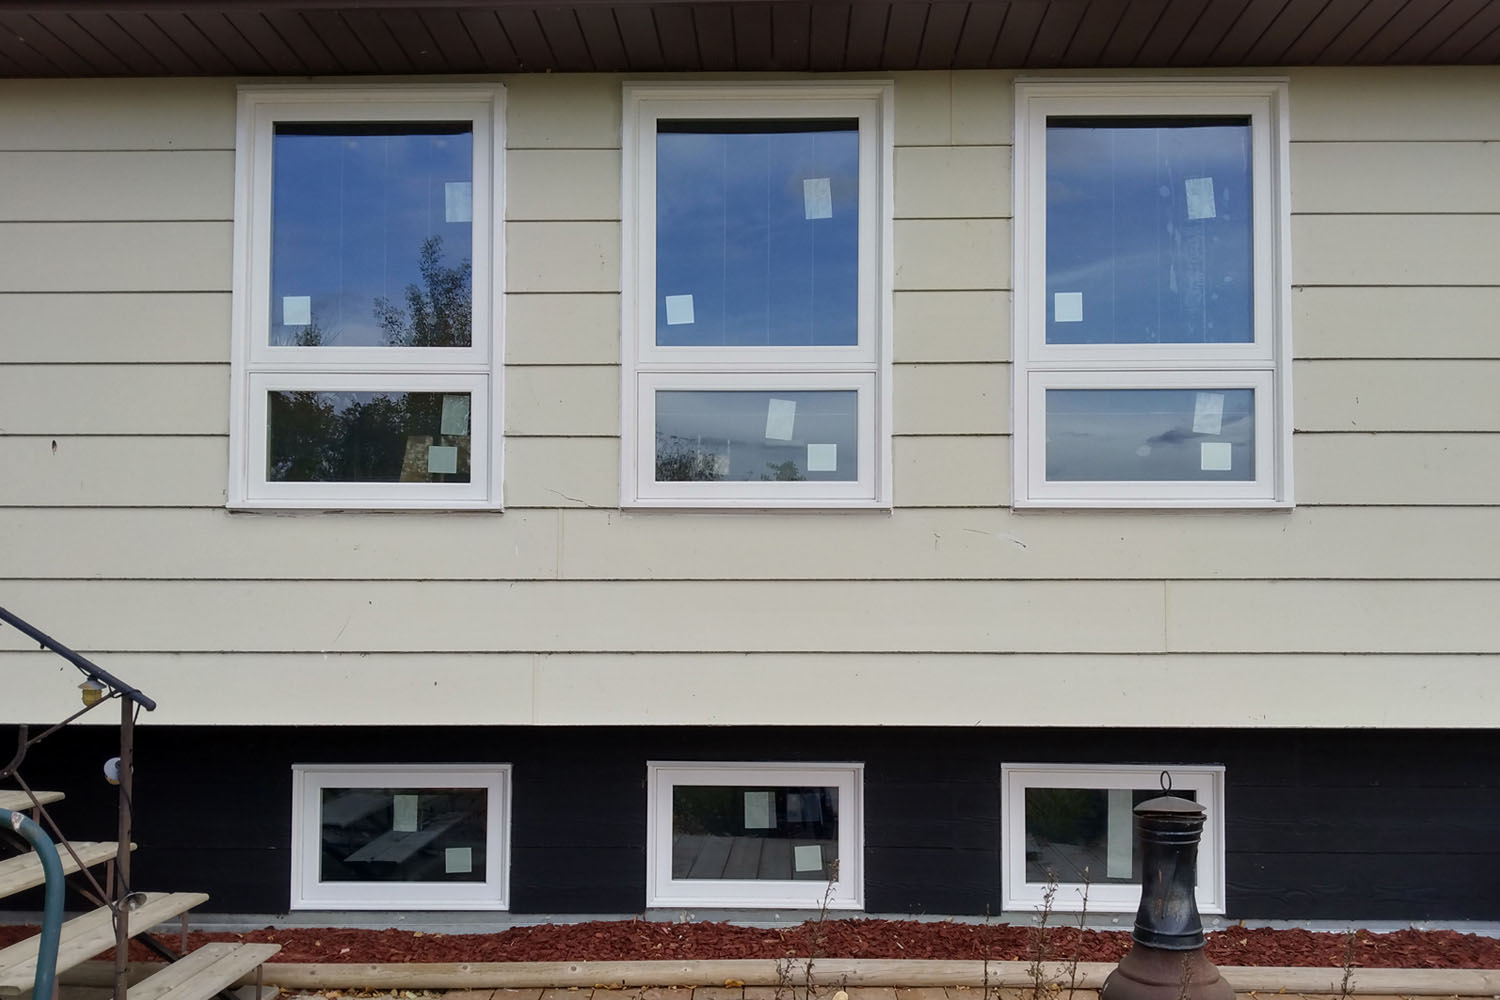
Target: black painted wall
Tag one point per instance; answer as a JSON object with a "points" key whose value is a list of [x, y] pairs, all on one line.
{"points": [[1340, 825]]}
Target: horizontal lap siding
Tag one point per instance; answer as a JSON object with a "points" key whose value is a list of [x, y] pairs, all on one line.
{"points": [[114, 398], [936, 689], [120, 543]]}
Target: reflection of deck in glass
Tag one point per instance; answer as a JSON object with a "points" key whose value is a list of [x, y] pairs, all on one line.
{"points": [[764, 858], [1068, 862]]}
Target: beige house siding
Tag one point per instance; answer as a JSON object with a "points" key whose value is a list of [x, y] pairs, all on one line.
{"points": [[115, 230]]}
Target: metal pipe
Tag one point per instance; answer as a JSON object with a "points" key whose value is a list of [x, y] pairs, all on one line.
{"points": [[121, 899], [52, 907], [89, 667]]}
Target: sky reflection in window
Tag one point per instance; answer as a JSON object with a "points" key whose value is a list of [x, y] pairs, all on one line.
{"points": [[371, 235], [740, 436], [1156, 435], [1149, 236], [757, 233]]}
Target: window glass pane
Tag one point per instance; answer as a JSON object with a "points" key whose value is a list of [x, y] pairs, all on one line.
{"points": [[402, 835], [1070, 830], [757, 233], [1149, 237], [367, 437], [754, 832], [735, 436], [371, 235], [1187, 435]]}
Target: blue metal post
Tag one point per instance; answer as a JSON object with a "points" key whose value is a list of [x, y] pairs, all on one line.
{"points": [[52, 907]]}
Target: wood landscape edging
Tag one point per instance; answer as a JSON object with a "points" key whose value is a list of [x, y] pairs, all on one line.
{"points": [[826, 971]]}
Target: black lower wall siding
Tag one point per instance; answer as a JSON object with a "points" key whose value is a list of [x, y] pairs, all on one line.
{"points": [[1348, 825]]}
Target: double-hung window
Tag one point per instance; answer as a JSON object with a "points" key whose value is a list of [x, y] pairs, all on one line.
{"points": [[1152, 293], [756, 295], [367, 298]]}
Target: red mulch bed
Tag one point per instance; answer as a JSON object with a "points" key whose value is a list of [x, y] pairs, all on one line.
{"points": [[642, 939]]}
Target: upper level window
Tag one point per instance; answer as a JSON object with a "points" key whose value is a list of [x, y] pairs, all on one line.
{"points": [[1151, 294], [366, 298], [757, 294]]}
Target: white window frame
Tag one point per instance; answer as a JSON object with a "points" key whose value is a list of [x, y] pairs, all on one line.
{"points": [[1205, 781], [1264, 363], [257, 365], [646, 367], [848, 890], [309, 893]]}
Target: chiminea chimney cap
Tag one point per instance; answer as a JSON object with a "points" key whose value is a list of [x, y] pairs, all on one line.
{"points": [[1171, 804]]}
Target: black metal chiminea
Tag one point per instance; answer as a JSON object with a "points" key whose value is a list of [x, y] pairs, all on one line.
{"points": [[1166, 962]]}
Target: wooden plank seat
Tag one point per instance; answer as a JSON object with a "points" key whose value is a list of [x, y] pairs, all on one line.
{"points": [[203, 973], [25, 871], [18, 801], [85, 936]]}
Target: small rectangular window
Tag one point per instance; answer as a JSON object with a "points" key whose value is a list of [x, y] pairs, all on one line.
{"points": [[431, 837], [1152, 328], [756, 310], [754, 835], [367, 297], [1073, 824]]}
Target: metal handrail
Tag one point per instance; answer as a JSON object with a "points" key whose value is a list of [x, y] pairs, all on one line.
{"points": [[52, 907], [132, 700], [89, 667]]}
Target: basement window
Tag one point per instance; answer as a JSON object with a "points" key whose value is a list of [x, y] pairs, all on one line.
{"points": [[399, 837], [1074, 823], [755, 835]]}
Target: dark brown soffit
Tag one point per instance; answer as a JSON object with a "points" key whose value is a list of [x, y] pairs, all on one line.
{"points": [[282, 37]]}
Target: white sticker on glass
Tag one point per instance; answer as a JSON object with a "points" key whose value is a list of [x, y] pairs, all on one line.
{"points": [[822, 458], [1067, 307], [458, 201], [760, 810], [1200, 197], [808, 857], [404, 813], [1208, 413], [1215, 456], [458, 860], [455, 416], [442, 459], [296, 310], [679, 310], [781, 415], [817, 198]]}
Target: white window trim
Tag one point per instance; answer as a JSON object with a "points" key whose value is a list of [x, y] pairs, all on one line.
{"points": [[1205, 781], [848, 890], [1265, 361], [872, 103], [254, 362], [1186, 493], [308, 893]]}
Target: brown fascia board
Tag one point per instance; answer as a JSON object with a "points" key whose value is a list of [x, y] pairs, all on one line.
{"points": [[226, 6]]}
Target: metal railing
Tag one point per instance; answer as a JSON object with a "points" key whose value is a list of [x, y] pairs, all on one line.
{"points": [[52, 908], [99, 686]]}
